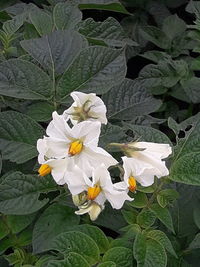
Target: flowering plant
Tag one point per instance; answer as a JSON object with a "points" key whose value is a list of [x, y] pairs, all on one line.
{"points": [[99, 133]]}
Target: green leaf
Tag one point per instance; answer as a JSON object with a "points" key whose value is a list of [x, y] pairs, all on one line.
{"points": [[103, 5], [192, 89], [147, 134], [11, 26], [163, 215], [195, 242], [186, 169], [22, 79], [119, 255], [17, 223], [55, 51], [42, 21], [108, 31], [164, 241], [4, 230], [190, 142], [167, 196], [156, 36], [107, 264], [72, 260], [121, 242], [111, 219], [20, 193], [173, 26], [77, 242], [129, 233], [109, 133], [18, 136], [146, 218], [55, 220], [96, 234], [103, 68], [66, 16], [149, 252], [130, 216], [140, 200], [128, 100], [166, 73], [40, 111]]}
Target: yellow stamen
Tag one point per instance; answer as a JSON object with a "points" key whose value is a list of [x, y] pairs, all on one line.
{"points": [[44, 170], [132, 183], [93, 192], [75, 147]]}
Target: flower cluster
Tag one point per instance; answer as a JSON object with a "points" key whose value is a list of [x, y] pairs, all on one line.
{"points": [[70, 152]]}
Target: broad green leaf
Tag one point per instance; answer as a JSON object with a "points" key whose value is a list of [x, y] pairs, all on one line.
{"points": [[18, 136], [192, 89], [183, 211], [22, 79], [20, 193], [103, 5], [42, 21], [128, 100], [164, 241], [140, 200], [156, 56], [167, 196], [190, 140], [130, 215], [66, 16], [195, 242], [72, 260], [166, 73], [156, 36], [173, 26], [146, 218], [186, 169], [55, 220], [56, 50], [108, 31], [96, 234], [11, 26], [107, 264], [163, 215], [40, 111], [4, 230], [96, 70], [111, 133], [196, 215], [149, 252], [129, 233], [147, 134], [121, 242], [17, 223], [120, 256], [79, 243], [111, 218]]}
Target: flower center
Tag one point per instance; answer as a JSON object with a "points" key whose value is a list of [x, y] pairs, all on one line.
{"points": [[93, 192], [132, 183], [44, 170], [75, 148]]}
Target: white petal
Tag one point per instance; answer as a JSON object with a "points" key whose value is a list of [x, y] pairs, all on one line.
{"points": [[145, 179], [88, 131], [121, 186], [160, 150], [76, 181], [58, 170], [58, 128], [117, 198], [56, 148]]}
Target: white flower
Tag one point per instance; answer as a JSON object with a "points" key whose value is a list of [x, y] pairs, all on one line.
{"points": [[146, 161], [77, 145], [92, 208], [99, 189], [57, 167], [86, 107]]}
